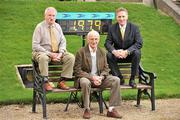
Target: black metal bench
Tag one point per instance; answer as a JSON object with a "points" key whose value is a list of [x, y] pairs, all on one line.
{"points": [[145, 86], [144, 80], [39, 93]]}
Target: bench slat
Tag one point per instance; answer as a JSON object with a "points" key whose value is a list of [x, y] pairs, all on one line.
{"points": [[59, 68], [55, 74], [139, 86], [72, 89]]}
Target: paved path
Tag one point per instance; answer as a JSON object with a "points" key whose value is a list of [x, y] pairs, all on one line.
{"points": [[165, 110]]}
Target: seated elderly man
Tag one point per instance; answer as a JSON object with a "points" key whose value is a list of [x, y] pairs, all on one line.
{"points": [[91, 70], [49, 45]]}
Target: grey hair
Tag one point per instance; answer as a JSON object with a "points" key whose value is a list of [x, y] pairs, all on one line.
{"points": [[50, 8]]}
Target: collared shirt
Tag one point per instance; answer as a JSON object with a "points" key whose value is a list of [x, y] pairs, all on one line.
{"points": [[93, 53], [122, 30], [93, 59], [41, 41], [123, 27]]}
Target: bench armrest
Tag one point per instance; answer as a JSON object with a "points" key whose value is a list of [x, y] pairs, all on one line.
{"points": [[38, 79], [146, 77]]}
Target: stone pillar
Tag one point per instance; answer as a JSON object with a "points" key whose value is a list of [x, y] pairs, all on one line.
{"points": [[168, 7]]}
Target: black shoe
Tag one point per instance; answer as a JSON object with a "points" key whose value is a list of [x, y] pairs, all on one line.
{"points": [[122, 82], [132, 83]]}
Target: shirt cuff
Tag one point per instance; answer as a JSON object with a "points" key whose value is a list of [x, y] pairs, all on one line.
{"points": [[128, 52], [62, 51]]}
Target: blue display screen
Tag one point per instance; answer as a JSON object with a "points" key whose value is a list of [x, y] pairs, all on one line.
{"points": [[82, 23]]}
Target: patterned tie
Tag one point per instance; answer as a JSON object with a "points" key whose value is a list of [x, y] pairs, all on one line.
{"points": [[54, 44], [122, 32]]}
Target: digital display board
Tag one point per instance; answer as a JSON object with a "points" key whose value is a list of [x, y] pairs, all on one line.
{"points": [[83, 22]]}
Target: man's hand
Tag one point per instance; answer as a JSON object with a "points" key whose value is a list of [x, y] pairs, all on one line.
{"points": [[60, 55], [56, 57], [97, 80], [116, 53], [120, 53], [123, 54]]}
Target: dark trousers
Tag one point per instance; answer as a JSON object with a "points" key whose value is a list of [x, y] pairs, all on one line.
{"points": [[133, 58]]}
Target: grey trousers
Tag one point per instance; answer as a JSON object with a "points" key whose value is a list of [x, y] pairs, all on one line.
{"points": [[112, 82], [67, 63]]}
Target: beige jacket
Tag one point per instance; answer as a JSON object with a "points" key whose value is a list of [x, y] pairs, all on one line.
{"points": [[41, 41]]}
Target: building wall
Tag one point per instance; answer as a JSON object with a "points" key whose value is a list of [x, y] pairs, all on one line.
{"points": [[168, 7]]}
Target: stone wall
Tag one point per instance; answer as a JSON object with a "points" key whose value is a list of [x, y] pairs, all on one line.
{"points": [[168, 7]]}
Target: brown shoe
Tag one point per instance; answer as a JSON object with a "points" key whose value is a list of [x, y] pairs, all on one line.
{"points": [[48, 87], [87, 114], [114, 114], [62, 85]]}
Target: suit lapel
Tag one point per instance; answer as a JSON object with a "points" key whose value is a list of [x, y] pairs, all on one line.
{"points": [[127, 31], [98, 61], [88, 57], [118, 36], [118, 31]]}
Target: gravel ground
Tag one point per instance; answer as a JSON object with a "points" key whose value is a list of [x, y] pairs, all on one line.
{"points": [[166, 109]]}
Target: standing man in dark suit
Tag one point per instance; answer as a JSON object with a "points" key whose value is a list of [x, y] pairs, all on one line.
{"points": [[91, 70], [123, 43]]}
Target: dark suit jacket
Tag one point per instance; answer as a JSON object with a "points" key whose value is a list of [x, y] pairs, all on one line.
{"points": [[132, 38], [83, 64]]}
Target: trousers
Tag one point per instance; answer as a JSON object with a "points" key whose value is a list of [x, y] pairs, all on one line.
{"points": [[112, 82], [43, 60], [134, 58]]}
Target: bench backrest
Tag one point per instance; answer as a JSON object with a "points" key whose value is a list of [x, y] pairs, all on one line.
{"points": [[55, 70], [126, 70]]}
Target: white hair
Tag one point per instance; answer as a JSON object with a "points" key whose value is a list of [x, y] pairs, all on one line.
{"points": [[93, 32], [50, 8]]}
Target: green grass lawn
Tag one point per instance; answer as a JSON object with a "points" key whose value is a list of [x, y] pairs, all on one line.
{"points": [[160, 52]]}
